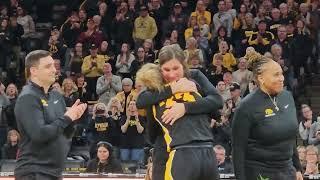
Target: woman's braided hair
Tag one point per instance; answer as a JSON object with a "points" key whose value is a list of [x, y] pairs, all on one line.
{"points": [[256, 61]]}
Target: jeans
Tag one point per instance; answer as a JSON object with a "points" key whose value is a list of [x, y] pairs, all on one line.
{"points": [[132, 155]]}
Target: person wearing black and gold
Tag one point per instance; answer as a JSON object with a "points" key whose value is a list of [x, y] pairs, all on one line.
{"points": [[187, 135], [105, 162], [265, 126]]}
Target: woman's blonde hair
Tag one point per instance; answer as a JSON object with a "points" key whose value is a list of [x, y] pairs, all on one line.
{"points": [[150, 76], [217, 56], [12, 132], [116, 100], [74, 86]]}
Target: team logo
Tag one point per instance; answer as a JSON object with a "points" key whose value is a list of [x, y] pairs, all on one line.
{"points": [[269, 112], [44, 102]]}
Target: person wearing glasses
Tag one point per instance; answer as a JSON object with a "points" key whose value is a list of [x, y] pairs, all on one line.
{"points": [[105, 162]]}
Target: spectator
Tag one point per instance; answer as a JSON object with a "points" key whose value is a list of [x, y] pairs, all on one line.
{"points": [[82, 14], [233, 102], [124, 60], [275, 20], [224, 93], [222, 18], [70, 91], [5, 45], [106, 20], [304, 13], [314, 134], [215, 70], [124, 21], [229, 61], [57, 87], [132, 127], [126, 95], [261, 39], [230, 10], [189, 30], [221, 36], [177, 20], [60, 76], [56, 46], [204, 28], [242, 76], [108, 85], [10, 149], [114, 109], [76, 59], [308, 119], [81, 86], [159, 12], [224, 167], [312, 153], [90, 36], [246, 33], [17, 32], [192, 48], [301, 49], [12, 92], [276, 51], [8, 111], [284, 42], [285, 16], [261, 15], [228, 79], [139, 61], [101, 127], [26, 21], [105, 161], [149, 50], [144, 28], [202, 42], [251, 6], [92, 68], [239, 20], [200, 12], [194, 62], [108, 53], [302, 156], [4, 101], [71, 30]]}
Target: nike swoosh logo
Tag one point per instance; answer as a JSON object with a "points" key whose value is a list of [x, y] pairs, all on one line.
{"points": [[286, 106], [55, 102]]}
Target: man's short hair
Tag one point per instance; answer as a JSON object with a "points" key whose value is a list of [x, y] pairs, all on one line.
{"points": [[33, 58]]}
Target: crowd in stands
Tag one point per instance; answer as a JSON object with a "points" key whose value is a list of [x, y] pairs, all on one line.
{"points": [[101, 44]]}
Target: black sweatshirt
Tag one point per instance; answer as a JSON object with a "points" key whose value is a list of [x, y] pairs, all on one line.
{"points": [[211, 102], [263, 136], [45, 131], [189, 128]]}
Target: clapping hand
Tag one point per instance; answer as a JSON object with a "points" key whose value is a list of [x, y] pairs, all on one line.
{"points": [[76, 110]]}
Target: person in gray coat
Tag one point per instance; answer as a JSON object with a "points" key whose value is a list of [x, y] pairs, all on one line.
{"points": [[108, 85]]}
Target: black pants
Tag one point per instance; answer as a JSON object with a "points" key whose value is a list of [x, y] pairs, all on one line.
{"points": [[192, 164], [37, 176], [91, 88], [261, 173], [159, 160]]}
